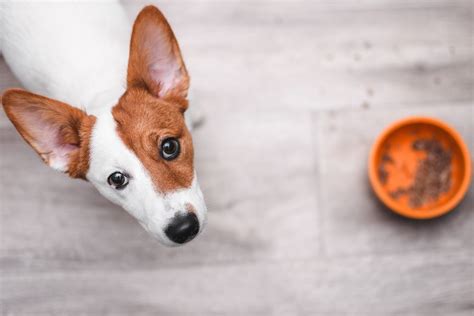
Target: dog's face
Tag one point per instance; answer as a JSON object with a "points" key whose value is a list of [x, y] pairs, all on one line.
{"points": [[141, 157], [137, 153]]}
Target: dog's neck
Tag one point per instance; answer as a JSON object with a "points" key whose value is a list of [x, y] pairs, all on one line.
{"points": [[76, 53]]}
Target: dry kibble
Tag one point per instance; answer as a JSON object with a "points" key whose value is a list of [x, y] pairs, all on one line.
{"points": [[432, 175], [382, 173]]}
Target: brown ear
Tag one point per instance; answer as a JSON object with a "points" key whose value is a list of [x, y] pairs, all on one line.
{"points": [[155, 59], [54, 129]]}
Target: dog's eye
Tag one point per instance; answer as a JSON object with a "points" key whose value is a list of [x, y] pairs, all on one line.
{"points": [[169, 148], [118, 180]]}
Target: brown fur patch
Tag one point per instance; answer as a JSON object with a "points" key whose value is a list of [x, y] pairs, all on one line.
{"points": [[152, 108], [143, 121], [80, 159], [73, 126]]}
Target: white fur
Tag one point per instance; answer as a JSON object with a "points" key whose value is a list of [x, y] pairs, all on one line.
{"points": [[71, 51], [77, 53]]}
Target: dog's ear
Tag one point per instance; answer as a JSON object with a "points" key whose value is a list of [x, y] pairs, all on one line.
{"points": [[155, 59], [51, 127]]}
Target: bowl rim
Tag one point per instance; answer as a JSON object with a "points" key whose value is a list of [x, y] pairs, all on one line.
{"points": [[407, 212]]}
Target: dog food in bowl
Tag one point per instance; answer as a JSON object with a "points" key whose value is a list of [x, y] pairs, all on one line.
{"points": [[420, 168]]}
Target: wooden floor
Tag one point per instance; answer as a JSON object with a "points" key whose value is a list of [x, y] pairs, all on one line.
{"points": [[294, 94]]}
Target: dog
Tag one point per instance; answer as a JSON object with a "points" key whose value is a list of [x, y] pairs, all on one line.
{"points": [[119, 125]]}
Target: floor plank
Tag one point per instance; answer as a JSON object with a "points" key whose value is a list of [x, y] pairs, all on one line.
{"points": [[318, 55], [409, 284]]}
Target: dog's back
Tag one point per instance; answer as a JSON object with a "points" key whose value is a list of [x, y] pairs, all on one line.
{"points": [[75, 52]]}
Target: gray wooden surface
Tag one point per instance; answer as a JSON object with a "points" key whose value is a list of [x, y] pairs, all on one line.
{"points": [[294, 94]]}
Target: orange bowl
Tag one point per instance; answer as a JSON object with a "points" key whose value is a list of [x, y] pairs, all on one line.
{"points": [[419, 167]]}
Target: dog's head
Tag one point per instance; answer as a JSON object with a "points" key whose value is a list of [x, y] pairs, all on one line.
{"points": [[139, 152]]}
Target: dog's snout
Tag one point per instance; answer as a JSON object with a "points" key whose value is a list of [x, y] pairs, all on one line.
{"points": [[183, 228]]}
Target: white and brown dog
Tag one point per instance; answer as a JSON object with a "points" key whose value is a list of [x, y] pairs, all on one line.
{"points": [[129, 138]]}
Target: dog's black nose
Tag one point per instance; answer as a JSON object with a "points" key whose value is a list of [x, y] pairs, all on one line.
{"points": [[183, 228]]}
